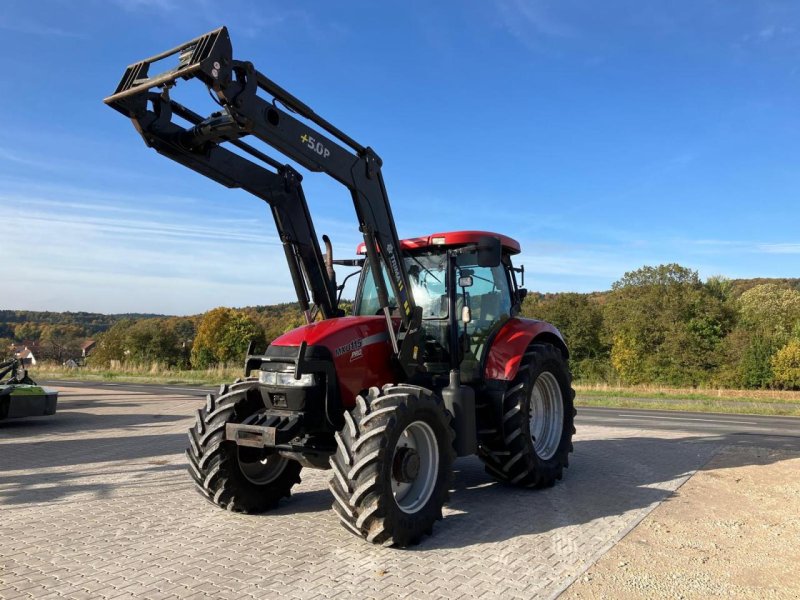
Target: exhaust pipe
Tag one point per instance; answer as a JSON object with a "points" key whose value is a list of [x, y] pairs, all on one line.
{"points": [[329, 263]]}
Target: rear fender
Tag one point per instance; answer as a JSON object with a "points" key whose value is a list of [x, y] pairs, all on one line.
{"points": [[510, 343]]}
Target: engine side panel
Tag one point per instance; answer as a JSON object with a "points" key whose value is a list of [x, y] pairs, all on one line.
{"points": [[510, 343], [362, 353]]}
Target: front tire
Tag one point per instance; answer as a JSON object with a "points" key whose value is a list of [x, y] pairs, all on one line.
{"points": [[393, 466], [233, 477], [531, 437]]}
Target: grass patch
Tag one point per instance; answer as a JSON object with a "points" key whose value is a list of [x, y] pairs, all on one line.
{"points": [[152, 374], [703, 400], [741, 408], [729, 395], [738, 406]]}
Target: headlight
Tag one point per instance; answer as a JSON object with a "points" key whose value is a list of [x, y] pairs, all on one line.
{"points": [[287, 379]]}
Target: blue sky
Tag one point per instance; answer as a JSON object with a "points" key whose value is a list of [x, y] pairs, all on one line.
{"points": [[603, 136]]}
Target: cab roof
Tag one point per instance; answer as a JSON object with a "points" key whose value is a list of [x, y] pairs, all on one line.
{"points": [[452, 238]]}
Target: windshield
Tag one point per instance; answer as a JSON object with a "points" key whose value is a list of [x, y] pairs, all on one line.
{"points": [[426, 272], [485, 290]]}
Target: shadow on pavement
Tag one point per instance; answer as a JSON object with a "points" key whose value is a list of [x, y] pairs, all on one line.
{"points": [[73, 421], [618, 475], [49, 487], [29, 455]]}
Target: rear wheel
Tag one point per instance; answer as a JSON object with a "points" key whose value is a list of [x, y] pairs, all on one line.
{"points": [[236, 478], [393, 465], [531, 437]]}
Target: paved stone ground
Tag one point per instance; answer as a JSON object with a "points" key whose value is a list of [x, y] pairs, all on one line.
{"points": [[95, 503]]}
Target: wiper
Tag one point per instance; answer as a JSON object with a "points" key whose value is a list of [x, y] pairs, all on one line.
{"points": [[424, 268]]}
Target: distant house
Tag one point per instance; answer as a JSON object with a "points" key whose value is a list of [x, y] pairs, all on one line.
{"points": [[25, 355], [87, 347]]}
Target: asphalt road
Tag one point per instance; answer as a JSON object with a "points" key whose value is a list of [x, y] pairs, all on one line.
{"points": [[778, 432]]}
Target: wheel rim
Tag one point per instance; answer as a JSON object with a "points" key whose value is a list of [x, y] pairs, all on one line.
{"points": [[546, 415], [262, 471], [418, 440]]}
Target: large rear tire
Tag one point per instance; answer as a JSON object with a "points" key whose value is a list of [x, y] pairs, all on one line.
{"points": [[233, 477], [530, 438], [393, 467]]}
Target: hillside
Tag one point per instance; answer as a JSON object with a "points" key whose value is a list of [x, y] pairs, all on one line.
{"points": [[659, 325], [89, 323], [27, 325]]}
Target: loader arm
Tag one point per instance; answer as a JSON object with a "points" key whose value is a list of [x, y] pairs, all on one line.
{"points": [[236, 84]]}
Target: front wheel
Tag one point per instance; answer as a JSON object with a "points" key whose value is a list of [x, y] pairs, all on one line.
{"points": [[237, 478], [531, 437], [393, 466]]}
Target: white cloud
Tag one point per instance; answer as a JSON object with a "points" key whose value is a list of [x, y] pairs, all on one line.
{"points": [[788, 248], [148, 5], [743, 247], [532, 18], [75, 248], [36, 28]]}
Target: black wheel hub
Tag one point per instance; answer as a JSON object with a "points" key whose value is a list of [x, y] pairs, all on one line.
{"points": [[405, 467]]}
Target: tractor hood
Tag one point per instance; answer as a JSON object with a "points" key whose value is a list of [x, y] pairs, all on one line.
{"points": [[359, 346], [334, 333]]}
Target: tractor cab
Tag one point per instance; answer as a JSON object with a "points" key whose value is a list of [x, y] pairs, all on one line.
{"points": [[485, 294]]}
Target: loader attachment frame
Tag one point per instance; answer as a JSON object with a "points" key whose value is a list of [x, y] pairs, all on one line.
{"points": [[235, 85]]}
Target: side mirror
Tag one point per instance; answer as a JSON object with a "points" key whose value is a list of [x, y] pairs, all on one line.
{"points": [[465, 281], [490, 252], [521, 293]]}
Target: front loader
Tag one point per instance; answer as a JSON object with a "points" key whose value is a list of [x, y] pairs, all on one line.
{"points": [[434, 363]]}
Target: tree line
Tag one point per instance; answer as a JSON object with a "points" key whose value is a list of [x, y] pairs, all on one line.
{"points": [[218, 337], [657, 325], [663, 325], [55, 336]]}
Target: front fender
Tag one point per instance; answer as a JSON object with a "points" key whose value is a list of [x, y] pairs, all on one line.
{"points": [[509, 345]]}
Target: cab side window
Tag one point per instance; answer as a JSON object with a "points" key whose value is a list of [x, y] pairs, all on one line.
{"points": [[367, 303], [489, 299], [490, 296]]}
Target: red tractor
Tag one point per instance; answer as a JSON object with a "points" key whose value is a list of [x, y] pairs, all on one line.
{"points": [[433, 363]]}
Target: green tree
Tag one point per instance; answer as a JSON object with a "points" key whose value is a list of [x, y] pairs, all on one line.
{"points": [[27, 331], [666, 326], [755, 365], [185, 330], [152, 341], [661, 276], [720, 287], [768, 317], [770, 309], [627, 358], [223, 335], [786, 365], [112, 345], [6, 343], [61, 342], [580, 320], [145, 342]]}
